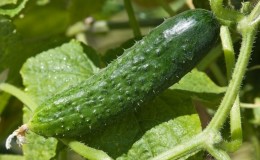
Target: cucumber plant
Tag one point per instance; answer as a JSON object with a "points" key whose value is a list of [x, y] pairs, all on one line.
{"points": [[152, 65], [139, 76]]}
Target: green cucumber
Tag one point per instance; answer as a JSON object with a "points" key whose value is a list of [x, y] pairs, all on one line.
{"points": [[152, 65]]}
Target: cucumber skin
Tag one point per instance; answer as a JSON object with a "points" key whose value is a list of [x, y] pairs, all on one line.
{"points": [[152, 65]]}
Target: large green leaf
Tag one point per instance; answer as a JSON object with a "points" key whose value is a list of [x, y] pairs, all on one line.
{"points": [[46, 74], [164, 137], [198, 85], [55, 70]]}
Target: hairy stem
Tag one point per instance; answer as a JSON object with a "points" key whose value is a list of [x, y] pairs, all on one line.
{"points": [[192, 146], [217, 153], [225, 15], [228, 49], [255, 14], [222, 113], [235, 118]]}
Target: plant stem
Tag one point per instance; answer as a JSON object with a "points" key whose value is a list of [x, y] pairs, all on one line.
{"points": [[85, 151], [217, 153], [192, 146], [235, 122], [225, 15], [249, 105], [19, 94], [222, 113], [227, 46], [254, 16], [166, 7], [132, 20], [235, 117]]}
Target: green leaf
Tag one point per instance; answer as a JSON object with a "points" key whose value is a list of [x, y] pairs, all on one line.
{"points": [[38, 147], [13, 10], [7, 2], [164, 137], [14, 49], [46, 74], [55, 70], [117, 137], [11, 157], [56, 20], [8, 39], [198, 85]]}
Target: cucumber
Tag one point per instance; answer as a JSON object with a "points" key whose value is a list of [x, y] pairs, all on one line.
{"points": [[152, 65]]}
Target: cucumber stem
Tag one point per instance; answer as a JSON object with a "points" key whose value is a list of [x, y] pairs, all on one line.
{"points": [[85, 151], [166, 7], [222, 113], [19, 94], [228, 49], [254, 16], [225, 15], [132, 19], [235, 117], [217, 153], [192, 146]]}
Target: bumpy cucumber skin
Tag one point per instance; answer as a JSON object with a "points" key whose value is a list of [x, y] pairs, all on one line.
{"points": [[153, 64]]}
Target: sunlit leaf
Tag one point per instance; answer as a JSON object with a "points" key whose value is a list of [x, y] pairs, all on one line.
{"points": [[55, 70], [164, 137], [198, 85], [46, 74]]}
